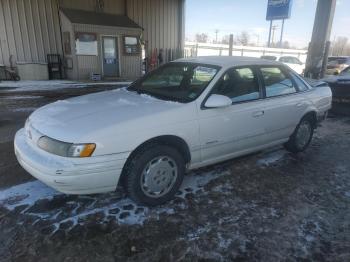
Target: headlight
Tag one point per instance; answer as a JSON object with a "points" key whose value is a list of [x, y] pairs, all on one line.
{"points": [[64, 149]]}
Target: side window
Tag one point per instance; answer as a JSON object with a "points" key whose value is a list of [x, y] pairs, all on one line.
{"points": [[276, 82], [239, 84], [301, 85], [283, 60]]}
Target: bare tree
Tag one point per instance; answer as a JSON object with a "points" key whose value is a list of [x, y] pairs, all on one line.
{"points": [[285, 44], [339, 46], [202, 38], [225, 39], [243, 38]]}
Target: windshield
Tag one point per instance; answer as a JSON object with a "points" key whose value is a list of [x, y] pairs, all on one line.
{"points": [[180, 82]]}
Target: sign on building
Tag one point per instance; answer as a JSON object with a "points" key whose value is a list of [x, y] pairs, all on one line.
{"points": [[278, 9]]}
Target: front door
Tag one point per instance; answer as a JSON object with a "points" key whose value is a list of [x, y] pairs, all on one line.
{"points": [[236, 128], [110, 56]]}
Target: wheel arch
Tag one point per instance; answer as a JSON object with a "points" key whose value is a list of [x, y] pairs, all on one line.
{"points": [[170, 140], [313, 116]]}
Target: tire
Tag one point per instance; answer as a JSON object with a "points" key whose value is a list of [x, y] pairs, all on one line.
{"points": [[302, 135], [153, 168]]}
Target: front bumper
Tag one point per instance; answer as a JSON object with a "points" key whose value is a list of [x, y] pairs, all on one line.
{"points": [[88, 175]]}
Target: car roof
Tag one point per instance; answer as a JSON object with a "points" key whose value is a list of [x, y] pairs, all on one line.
{"points": [[225, 61]]}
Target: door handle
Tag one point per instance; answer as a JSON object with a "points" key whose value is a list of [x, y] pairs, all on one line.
{"points": [[299, 104], [258, 113]]}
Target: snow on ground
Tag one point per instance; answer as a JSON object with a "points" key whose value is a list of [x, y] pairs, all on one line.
{"points": [[24, 109], [27, 85], [21, 97], [272, 157], [25, 194], [44, 204], [31, 195]]}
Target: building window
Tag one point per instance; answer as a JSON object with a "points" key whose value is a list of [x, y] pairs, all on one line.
{"points": [[86, 43], [131, 45]]}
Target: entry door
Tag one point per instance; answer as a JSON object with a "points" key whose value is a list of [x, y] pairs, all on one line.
{"points": [[110, 56]]}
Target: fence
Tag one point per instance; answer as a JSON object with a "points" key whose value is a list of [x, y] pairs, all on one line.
{"points": [[207, 49]]}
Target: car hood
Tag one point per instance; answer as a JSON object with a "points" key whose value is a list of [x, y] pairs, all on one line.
{"points": [[75, 118], [338, 78]]}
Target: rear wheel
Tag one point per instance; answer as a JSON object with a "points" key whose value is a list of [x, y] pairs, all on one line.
{"points": [[302, 136], [154, 175]]}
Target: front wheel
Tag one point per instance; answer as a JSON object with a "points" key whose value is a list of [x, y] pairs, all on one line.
{"points": [[302, 136], [154, 175]]}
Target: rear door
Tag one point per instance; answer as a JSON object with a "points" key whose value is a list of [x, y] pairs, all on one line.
{"points": [[284, 105]]}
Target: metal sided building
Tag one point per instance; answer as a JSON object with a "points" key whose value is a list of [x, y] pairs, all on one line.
{"points": [[93, 37]]}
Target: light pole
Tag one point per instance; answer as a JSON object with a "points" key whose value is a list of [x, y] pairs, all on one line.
{"points": [[216, 35]]}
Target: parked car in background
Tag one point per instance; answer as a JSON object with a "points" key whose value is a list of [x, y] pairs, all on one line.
{"points": [[187, 114], [340, 85], [336, 64], [291, 61]]}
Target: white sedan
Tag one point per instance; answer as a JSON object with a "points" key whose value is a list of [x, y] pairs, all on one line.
{"points": [[187, 114], [291, 61]]}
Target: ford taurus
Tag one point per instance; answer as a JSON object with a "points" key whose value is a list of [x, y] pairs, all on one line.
{"points": [[184, 115]]}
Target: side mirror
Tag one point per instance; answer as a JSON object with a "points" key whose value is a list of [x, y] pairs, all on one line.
{"points": [[218, 101], [336, 73]]}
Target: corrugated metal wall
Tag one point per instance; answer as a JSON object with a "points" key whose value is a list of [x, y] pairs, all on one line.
{"points": [[162, 21], [29, 30]]}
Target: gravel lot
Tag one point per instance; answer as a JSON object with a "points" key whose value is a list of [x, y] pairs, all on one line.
{"points": [[269, 206]]}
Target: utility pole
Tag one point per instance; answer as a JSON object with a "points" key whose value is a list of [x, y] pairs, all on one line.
{"points": [[216, 35], [230, 47], [317, 53], [281, 37], [269, 41], [274, 28]]}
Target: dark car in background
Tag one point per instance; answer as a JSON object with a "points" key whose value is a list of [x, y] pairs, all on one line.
{"points": [[340, 85], [336, 64]]}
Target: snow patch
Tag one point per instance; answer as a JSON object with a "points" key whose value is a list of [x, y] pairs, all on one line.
{"points": [[21, 97], [26, 194], [196, 182], [271, 158], [24, 109], [27, 85]]}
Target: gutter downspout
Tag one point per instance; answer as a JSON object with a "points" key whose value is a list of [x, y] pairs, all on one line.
{"points": [[126, 7]]}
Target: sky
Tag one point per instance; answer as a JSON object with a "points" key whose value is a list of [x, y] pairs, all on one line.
{"points": [[235, 16]]}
